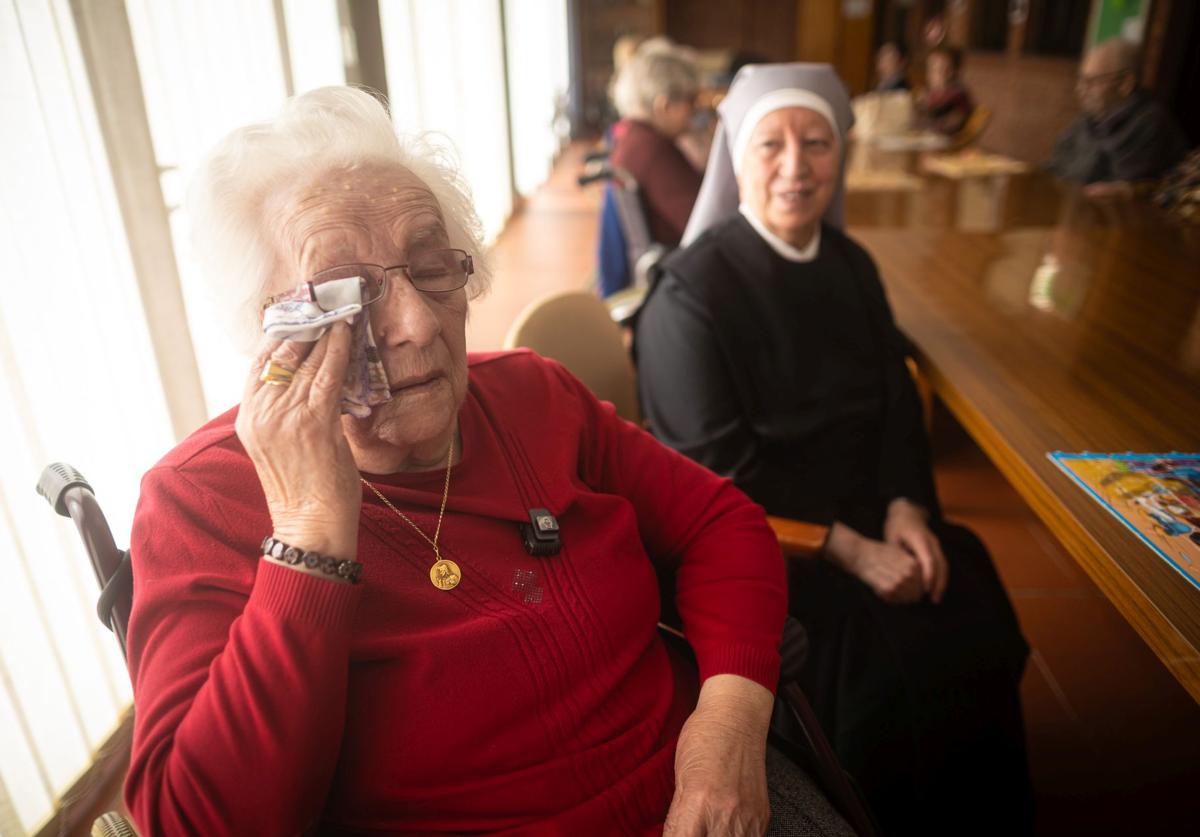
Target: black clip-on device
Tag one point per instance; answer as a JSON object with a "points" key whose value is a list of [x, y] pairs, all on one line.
{"points": [[541, 533]]}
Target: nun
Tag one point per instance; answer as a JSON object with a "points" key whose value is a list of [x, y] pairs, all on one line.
{"points": [[766, 351]]}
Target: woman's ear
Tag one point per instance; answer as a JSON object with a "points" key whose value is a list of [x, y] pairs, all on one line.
{"points": [[659, 106]]}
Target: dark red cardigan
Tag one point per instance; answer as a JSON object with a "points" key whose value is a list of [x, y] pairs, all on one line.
{"points": [[535, 697], [667, 181]]}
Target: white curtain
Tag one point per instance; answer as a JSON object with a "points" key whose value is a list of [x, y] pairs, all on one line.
{"points": [[536, 34], [445, 75], [206, 69], [78, 379], [79, 384]]}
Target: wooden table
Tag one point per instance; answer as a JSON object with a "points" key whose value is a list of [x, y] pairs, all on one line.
{"points": [[1081, 333]]}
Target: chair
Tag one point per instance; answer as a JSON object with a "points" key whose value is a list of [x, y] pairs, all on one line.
{"points": [[972, 129], [627, 253], [796, 729], [69, 494], [574, 328]]}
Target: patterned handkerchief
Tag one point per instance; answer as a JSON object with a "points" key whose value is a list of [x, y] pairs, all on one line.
{"points": [[297, 316]]}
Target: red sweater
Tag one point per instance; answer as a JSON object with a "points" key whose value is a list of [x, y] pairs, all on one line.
{"points": [[535, 697]]}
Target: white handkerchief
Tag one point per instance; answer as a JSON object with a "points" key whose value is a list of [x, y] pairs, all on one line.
{"points": [[297, 316]]}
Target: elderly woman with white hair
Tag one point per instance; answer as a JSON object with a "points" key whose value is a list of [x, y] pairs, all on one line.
{"points": [[401, 589], [655, 95], [767, 351]]}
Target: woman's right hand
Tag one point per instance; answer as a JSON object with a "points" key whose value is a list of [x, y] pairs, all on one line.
{"points": [[293, 434], [892, 572]]}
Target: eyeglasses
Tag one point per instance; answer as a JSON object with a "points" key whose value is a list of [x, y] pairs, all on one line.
{"points": [[1098, 78], [430, 272]]}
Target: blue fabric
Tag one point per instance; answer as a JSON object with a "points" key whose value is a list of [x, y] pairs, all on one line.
{"points": [[611, 257]]}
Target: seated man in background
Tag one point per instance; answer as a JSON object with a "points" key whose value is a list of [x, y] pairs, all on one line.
{"points": [[1123, 134], [891, 67], [945, 105], [655, 95]]}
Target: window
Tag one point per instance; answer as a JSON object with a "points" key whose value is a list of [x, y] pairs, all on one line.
{"points": [[79, 384], [445, 74], [79, 378], [536, 35]]}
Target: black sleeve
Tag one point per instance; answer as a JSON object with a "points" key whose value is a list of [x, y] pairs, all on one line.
{"points": [[905, 466], [1062, 158], [1149, 146], [689, 396]]}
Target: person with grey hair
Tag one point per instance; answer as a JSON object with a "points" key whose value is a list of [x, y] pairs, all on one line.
{"points": [[1123, 135], [404, 589], [766, 351], [655, 95]]}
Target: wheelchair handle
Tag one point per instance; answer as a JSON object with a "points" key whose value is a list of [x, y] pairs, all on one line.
{"points": [[56, 479], [70, 494]]}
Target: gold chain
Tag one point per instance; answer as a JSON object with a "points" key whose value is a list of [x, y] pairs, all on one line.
{"points": [[441, 512]]}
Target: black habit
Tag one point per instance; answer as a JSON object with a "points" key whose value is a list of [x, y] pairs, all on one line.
{"points": [[790, 378]]}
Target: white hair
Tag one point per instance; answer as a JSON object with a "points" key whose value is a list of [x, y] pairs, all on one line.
{"points": [[658, 68], [332, 128]]}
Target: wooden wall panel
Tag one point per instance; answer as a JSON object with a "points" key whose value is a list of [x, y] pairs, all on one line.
{"points": [[856, 63], [817, 24], [769, 28], [761, 26], [1032, 100]]}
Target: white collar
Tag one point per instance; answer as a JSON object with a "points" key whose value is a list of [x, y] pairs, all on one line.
{"points": [[787, 251]]}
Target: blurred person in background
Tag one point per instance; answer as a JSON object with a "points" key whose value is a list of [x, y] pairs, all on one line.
{"points": [[945, 104], [655, 94], [1123, 135], [891, 68]]}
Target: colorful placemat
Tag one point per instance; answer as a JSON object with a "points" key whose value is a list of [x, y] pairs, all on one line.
{"points": [[1156, 495]]}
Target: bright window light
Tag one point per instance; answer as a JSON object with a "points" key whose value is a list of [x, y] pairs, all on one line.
{"points": [[445, 75], [536, 32]]}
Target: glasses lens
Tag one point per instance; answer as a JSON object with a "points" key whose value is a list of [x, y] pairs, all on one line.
{"points": [[440, 270], [370, 276]]}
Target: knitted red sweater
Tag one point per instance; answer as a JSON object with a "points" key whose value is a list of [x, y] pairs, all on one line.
{"points": [[535, 697]]}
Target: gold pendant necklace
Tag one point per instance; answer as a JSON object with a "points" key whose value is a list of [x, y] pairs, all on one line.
{"points": [[445, 574]]}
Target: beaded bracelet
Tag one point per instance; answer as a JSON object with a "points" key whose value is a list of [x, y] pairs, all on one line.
{"points": [[280, 551]]}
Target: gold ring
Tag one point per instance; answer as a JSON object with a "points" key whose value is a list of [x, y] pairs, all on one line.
{"points": [[276, 374]]}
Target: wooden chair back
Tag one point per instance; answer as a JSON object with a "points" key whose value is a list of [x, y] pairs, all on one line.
{"points": [[577, 330]]}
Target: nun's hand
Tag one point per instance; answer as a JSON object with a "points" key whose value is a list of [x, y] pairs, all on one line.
{"points": [[890, 570], [720, 762], [906, 527]]}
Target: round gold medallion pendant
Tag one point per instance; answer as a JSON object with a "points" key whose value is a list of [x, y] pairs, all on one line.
{"points": [[445, 575]]}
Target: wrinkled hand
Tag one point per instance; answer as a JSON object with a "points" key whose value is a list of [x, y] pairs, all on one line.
{"points": [[889, 570], [1109, 190], [720, 762], [294, 437], [906, 527]]}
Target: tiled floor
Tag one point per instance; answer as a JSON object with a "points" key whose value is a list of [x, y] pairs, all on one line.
{"points": [[549, 246], [1114, 741]]}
